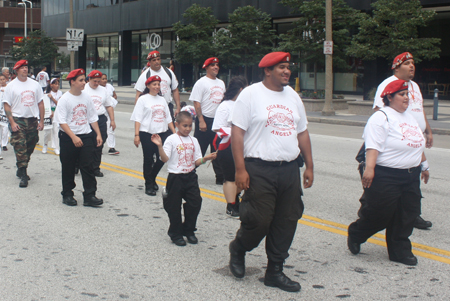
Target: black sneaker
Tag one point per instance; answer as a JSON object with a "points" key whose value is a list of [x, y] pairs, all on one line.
{"points": [[112, 151], [5, 148], [231, 211]]}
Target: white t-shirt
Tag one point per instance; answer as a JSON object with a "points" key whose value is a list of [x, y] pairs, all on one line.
{"points": [[398, 139], [209, 93], [223, 115], [272, 120], [42, 78], [78, 112], [415, 107], [23, 97], [182, 153], [152, 113], [166, 85], [110, 89], [100, 97], [56, 95]]}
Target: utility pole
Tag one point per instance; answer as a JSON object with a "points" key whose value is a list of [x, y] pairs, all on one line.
{"points": [[72, 53], [328, 106]]}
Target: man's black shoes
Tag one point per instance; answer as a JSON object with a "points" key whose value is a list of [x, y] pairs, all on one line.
{"points": [[92, 201], [179, 241], [276, 278], [354, 247], [69, 201], [98, 174], [237, 260], [23, 181], [150, 191], [155, 186], [191, 238], [420, 223], [409, 260]]}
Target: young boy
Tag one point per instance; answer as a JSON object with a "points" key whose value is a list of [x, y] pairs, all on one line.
{"points": [[182, 154]]}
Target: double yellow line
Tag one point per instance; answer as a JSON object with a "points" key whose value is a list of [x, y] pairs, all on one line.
{"points": [[378, 239]]}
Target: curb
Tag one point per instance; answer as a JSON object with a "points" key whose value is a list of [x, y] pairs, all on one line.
{"points": [[436, 131]]}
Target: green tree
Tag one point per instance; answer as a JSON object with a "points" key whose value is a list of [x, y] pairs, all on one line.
{"points": [[195, 42], [250, 37], [63, 61], [393, 29], [38, 49], [307, 36]]}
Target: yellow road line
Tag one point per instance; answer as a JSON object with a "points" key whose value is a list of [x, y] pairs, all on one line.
{"points": [[318, 223]]}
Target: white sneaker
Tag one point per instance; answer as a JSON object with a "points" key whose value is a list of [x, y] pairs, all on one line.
{"points": [[44, 149], [1, 158], [57, 151]]}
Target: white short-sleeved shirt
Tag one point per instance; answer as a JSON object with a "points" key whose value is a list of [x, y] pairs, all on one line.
{"points": [[223, 115], [2, 91], [42, 78], [100, 97], [398, 139], [167, 86], [415, 106], [78, 112], [209, 93], [182, 153], [23, 97], [110, 89], [152, 113], [56, 95], [271, 121]]}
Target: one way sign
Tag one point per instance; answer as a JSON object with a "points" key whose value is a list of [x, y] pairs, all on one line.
{"points": [[74, 34]]}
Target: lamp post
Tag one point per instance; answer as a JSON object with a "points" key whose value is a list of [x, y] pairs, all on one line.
{"points": [[25, 28], [31, 10]]}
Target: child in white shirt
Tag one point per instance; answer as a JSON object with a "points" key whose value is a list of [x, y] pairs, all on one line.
{"points": [[182, 154]]}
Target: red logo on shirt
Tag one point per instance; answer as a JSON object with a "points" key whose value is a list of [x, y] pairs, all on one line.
{"points": [[158, 113], [97, 101], [186, 156], [165, 87], [216, 94], [281, 119], [412, 134], [79, 115], [27, 98]]}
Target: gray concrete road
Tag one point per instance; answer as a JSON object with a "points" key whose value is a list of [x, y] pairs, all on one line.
{"points": [[121, 251]]}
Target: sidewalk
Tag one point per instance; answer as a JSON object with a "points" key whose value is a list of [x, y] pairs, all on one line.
{"points": [[126, 95]]}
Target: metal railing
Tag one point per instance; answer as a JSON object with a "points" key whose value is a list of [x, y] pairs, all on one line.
{"points": [[15, 4]]}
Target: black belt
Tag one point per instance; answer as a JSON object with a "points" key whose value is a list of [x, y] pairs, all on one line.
{"points": [[399, 170], [269, 163]]}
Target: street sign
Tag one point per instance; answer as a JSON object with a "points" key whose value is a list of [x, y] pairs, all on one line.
{"points": [[74, 34], [72, 46], [327, 47]]}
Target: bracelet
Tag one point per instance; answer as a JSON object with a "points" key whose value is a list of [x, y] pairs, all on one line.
{"points": [[425, 166], [201, 161]]}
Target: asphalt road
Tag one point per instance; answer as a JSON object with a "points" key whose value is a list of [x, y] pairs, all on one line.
{"points": [[121, 251]]}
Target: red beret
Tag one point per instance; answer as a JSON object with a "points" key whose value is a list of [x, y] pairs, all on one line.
{"points": [[154, 78], [153, 54], [210, 61], [74, 73], [20, 64], [401, 58], [95, 74], [273, 58], [395, 86]]}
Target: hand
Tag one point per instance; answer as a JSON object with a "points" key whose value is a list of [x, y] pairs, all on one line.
{"points": [[156, 139], [242, 180], [113, 124], [99, 140], [40, 126], [202, 126], [367, 177], [137, 140], [15, 127], [211, 156], [77, 141], [176, 112], [425, 176], [429, 138], [308, 178]]}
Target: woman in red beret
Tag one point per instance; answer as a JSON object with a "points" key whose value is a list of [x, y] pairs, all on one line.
{"points": [[151, 115], [76, 114], [395, 160]]}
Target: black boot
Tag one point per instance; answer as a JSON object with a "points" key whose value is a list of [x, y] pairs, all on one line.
{"points": [[22, 171], [237, 259], [276, 278]]}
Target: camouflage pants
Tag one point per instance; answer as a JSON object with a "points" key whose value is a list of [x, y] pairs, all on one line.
{"points": [[24, 140]]}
